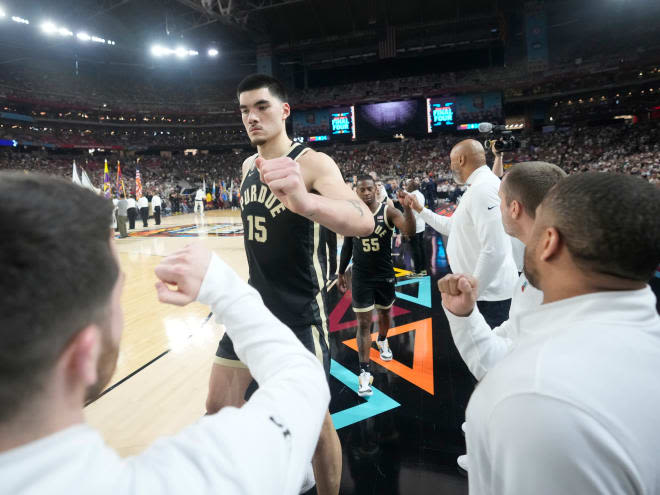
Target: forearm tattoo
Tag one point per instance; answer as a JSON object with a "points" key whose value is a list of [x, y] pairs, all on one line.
{"points": [[356, 205]]}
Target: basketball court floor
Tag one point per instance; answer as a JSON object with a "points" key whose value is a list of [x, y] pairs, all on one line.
{"points": [[402, 440]]}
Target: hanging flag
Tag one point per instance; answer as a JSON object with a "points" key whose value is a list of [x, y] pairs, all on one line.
{"points": [[107, 188], [75, 178], [138, 181], [120, 182], [213, 193], [85, 182], [387, 43], [204, 186]]}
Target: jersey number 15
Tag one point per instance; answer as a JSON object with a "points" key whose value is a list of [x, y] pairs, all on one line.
{"points": [[256, 229]]}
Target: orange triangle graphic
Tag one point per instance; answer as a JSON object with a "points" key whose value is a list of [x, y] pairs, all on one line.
{"points": [[421, 373]]}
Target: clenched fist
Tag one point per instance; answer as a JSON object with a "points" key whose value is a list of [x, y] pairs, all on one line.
{"points": [[285, 180], [185, 270], [459, 293], [410, 201]]}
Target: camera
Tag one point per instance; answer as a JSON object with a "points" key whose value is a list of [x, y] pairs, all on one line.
{"points": [[506, 142]]}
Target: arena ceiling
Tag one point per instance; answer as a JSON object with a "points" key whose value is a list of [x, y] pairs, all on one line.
{"points": [[308, 32], [286, 24]]}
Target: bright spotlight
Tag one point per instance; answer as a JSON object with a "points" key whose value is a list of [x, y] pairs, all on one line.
{"points": [[2, 13], [82, 36], [48, 27], [213, 52], [64, 32], [20, 20], [157, 50], [192, 53], [180, 52], [96, 39]]}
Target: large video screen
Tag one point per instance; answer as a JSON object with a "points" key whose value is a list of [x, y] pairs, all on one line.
{"points": [[463, 112], [325, 124], [387, 119], [482, 107], [311, 122], [440, 114], [342, 122]]}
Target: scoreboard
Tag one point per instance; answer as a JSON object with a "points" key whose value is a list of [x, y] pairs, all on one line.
{"points": [[342, 122], [440, 114], [414, 117]]}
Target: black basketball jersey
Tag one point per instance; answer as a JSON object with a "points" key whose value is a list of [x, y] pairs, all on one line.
{"points": [[372, 255], [284, 252]]}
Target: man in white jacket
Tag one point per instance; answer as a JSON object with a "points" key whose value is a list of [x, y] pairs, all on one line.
{"points": [[143, 206], [573, 407], [522, 190], [156, 204], [477, 243], [199, 202], [60, 327]]}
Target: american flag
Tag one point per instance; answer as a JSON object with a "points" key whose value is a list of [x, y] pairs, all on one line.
{"points": [[387, 43], [138, 184]]}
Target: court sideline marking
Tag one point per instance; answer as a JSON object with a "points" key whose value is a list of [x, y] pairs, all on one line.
{"points": [[132, 374]]}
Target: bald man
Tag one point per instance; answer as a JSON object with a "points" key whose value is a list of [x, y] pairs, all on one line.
{"points": [[574, 407], [477, 242]]}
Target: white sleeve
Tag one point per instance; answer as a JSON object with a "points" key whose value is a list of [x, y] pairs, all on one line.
{"points": [[494, 244], [266, 446], [537, 444], [438, 222], [479, 346]]}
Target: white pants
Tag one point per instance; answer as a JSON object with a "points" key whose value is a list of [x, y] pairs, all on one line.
{"points": [[199, 206]]}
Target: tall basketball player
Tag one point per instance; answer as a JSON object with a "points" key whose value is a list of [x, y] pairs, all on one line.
{"points": [[288, 192], [373, 275]]}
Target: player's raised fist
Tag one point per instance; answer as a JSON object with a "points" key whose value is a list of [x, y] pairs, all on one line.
{"points": [[285, 180], [404, 198]]}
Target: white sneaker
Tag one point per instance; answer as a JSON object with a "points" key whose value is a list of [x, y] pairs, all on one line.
{"points": [[384, 348], [364, 384], [463, 462]]}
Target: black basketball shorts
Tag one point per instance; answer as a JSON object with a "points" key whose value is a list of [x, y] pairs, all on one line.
{"points": [[372, 294], [313, 337]]}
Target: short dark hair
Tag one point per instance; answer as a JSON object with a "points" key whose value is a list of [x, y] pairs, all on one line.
{"points": [[609, 223], [58, 273], [365, 177], [529, 182], [258, 81]]}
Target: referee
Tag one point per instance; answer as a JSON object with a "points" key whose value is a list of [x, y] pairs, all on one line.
{"points": [[477, 242]]}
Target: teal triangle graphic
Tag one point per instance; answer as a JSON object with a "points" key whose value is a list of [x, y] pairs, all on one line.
{"points": [[376, 404], [423, 292]]}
